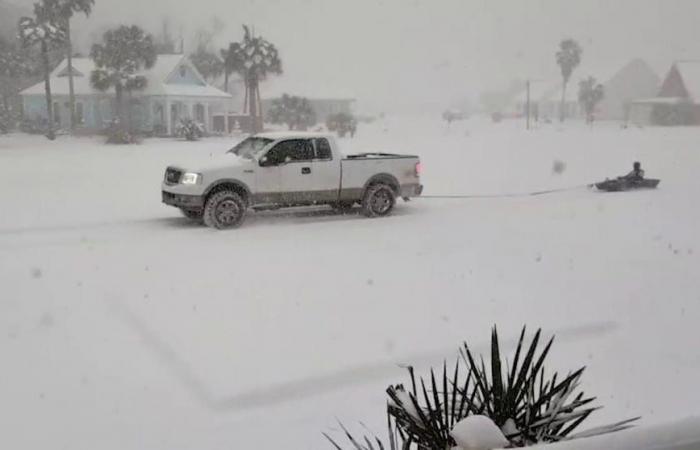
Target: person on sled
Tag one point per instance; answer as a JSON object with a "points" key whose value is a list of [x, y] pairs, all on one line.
{"points": [[637, 173]]}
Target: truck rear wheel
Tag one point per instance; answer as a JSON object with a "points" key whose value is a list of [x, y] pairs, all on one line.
{"points": [[378, 201], [224, 209]]}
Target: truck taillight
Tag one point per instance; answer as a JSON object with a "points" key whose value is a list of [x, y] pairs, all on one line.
{"points": [[419, 168]]}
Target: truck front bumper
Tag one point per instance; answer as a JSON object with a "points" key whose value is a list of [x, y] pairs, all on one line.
{"points": [[183, 201]]}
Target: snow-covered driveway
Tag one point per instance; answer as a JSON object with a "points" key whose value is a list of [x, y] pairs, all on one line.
{"points": [[124, 326]]}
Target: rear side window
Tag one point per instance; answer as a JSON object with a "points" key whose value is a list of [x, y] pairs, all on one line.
{"points": [[291, 151], [323, 148]]}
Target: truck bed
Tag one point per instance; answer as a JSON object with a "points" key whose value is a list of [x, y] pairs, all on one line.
{"points": [[359, 169]]}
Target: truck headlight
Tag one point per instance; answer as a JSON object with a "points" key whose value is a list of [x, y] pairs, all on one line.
{"points": [[191, 178]]}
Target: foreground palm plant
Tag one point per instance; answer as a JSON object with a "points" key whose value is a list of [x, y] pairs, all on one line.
{"points": [[527, 404]]}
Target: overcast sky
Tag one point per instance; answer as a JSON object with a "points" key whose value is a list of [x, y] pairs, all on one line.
{"points": [[417, 53]]}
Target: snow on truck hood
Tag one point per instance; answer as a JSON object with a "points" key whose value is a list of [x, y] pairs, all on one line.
{"points": [[217, 162]]}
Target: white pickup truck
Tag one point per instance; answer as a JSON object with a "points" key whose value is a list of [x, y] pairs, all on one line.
{"points": [[274, 170]]}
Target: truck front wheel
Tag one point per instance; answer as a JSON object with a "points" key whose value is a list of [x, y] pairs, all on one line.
{"points": [[224, 209], [378, 201], [343, 207], [193, 214]]}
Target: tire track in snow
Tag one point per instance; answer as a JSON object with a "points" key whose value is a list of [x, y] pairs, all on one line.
{"points": [[301, 389]]}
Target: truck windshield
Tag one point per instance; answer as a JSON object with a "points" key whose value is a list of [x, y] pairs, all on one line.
{"points": [[249, 147]]}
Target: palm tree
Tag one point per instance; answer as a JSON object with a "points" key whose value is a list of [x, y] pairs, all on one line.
{"points": [[254, 59], [124, 52], [228, 56], [568, 58], [45, 29], [207, 63], [66, 10]]}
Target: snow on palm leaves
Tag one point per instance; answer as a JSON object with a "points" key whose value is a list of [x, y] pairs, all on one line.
{"points": [[123, 52], [253, 59], [119, 59], [47, 29], [526, 404]]}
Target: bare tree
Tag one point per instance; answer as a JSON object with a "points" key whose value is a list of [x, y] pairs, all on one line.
{"points": [[590, 93]]}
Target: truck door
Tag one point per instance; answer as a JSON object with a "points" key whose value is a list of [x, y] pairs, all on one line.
{"points": [[326, 172], [292, 160]]}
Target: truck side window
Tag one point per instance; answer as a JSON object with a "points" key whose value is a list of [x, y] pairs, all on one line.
{"points": [[323, 149], [290, 151]]}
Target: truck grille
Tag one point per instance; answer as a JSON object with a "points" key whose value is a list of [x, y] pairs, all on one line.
{"points": [[172, 176]]}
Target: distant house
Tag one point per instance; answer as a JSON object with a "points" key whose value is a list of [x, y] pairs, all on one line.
{"points": [[545, 102], [633, 81], [678, 99], [175, 90]]}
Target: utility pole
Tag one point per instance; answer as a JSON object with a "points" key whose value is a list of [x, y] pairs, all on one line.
{"points": [[527, 105]]}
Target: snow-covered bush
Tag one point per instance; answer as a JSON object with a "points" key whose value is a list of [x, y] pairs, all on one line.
{"points": [[342, 123], [117, 134], [5, 120], [509, 404], [295, 112], [189, 130]]}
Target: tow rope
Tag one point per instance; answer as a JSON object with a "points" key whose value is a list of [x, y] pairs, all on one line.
{"points": [[519, 194]]}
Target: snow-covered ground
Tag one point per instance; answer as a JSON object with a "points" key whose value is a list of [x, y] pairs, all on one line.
{"points": [[124, 326]]}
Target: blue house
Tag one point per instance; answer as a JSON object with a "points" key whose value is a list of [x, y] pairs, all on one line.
{"points": [[175, 90]]}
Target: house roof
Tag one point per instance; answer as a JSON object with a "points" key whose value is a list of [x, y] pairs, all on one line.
{"points": [[690, 73], [157, 77], [635, 75]]}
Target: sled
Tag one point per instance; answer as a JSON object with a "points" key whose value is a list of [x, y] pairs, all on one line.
{"points": [[624, 184]]}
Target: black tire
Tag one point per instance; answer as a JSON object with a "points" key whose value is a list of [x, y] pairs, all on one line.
{"points": [[343, 207], [224, 209], [193, 214], [378, 201]]}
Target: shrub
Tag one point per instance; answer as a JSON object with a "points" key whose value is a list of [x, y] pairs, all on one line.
{"points": [[342, 123], [116, 134], [295, 112], [189, 130], [527, 404], [5, 120]]}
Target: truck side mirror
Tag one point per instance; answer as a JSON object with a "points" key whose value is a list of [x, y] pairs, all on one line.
{"points": [[264, 161]]}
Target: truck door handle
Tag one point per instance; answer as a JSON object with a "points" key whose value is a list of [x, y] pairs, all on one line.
{"points": [[305, 170]]}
